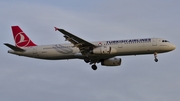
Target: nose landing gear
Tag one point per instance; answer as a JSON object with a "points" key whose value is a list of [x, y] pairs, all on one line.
{"points": [[155, 57]]}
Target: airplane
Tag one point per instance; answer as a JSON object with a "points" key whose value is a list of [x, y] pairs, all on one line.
{"points": [[103, 52]]}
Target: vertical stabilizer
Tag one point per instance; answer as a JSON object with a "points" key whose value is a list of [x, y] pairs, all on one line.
{"points": [[20, 38]]}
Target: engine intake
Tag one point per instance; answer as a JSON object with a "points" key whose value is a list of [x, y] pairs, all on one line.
{"points": [[111, 62]]}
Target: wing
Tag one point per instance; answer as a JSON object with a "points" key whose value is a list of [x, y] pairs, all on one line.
{"points": [[83, 45]]}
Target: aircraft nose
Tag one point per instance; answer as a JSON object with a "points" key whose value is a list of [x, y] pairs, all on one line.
{"points": [[173, 46]]}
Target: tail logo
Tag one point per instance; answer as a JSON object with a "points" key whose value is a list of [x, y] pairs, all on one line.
{"points": [[21, 40]]}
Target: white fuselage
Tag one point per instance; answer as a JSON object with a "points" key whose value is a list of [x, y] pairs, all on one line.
{"points": [[119, 47]]}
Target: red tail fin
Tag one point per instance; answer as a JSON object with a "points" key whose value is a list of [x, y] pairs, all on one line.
{"points": [[20, 38]]}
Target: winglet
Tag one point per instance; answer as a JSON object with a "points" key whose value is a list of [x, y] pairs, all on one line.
{"points": [[56, 28]]}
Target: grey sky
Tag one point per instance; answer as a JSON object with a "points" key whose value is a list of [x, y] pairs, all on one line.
{"points": [[139, 78]]}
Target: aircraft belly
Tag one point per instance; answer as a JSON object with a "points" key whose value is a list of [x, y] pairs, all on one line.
{"points": [[136, 49]]}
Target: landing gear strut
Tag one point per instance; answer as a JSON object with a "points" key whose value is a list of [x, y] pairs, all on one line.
{"points": [[94, 67], [155, 57]]}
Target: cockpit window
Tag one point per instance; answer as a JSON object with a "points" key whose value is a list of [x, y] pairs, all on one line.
{"points": [[165, 41]]}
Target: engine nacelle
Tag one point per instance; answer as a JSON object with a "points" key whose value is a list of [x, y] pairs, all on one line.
{"points": [[111, 62], [104, 50]]}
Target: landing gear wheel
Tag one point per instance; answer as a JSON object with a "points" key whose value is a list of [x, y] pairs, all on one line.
{"points": [[155, 56], [94, 67], [156, 60], [86, 60]]}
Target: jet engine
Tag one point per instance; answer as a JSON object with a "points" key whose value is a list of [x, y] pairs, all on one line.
{"points": [[111, 62], [104, 50]]}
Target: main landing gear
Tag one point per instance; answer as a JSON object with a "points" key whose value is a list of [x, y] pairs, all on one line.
{"points": [[87, 60], [155, 57]]}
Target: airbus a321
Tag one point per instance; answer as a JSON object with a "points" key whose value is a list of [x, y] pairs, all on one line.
{"points": [[103, 52]]}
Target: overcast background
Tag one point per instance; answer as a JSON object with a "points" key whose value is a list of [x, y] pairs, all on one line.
{"points": [[139, 78]]}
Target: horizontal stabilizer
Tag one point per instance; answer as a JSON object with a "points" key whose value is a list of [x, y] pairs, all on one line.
{"points": [[14, 47]]}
